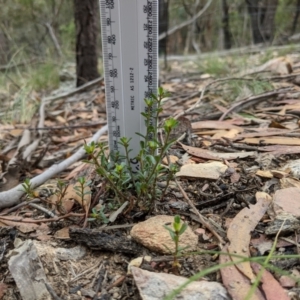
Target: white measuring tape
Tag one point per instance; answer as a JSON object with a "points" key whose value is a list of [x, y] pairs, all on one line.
{"points": [[130, 53]]}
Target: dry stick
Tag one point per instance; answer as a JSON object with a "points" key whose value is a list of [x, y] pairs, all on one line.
{"points": [[25, 145], [11, 66], [42, 209], [95, 277], [77, 90], [53, 38], [35, 200], [55, 219], [12, 196], [185, 23], [52, 292], [203, 91], [84, 272], [117, 282], [201, 219], [252, 100]]}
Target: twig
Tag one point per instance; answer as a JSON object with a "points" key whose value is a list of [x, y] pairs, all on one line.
{"points": [[94, 280], [117, 282], [36, 200], [195, 210], [186, 23], [205, 88], [51, 291], [55, 219], [77, 90], [11, 66], [101, 278], [252, 100], [84, 272], [43, 209]]}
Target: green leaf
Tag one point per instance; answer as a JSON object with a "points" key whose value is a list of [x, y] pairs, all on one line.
{"points": [[183, 228], [172, 233]]}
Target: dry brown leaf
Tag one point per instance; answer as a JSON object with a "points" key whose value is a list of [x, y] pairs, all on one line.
{"points": [[280, 149], [168, 87], [239, 231], [279, 174], [230, 134], [270, 285], [207, 154], [280, 65], [264, 174], [16, 132], [280, 140], [10, 179], [63, 233], [3, 289], [235, 177], [42, 233], [289, 182], [265, 132], [71, 193], [17, 222], [236, 283], [173, 160], [215, 125], [60, 119], [65, 205]]}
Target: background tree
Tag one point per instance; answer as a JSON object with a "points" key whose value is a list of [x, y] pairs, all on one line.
{"points": [[226, 25], [86, 18], [163, 26], [262, 15], [295, 21]]}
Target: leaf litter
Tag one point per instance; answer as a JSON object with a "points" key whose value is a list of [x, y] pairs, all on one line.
{"points": [[253, 136]]}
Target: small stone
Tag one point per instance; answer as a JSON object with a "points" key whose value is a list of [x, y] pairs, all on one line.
{"points": [[286, 281], [155, 237]]}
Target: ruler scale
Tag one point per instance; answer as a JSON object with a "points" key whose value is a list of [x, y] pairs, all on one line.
{"points": [[129, 31]]}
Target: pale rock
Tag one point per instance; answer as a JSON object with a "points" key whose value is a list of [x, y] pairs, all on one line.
{"points": [[211, 170], [152, 235], [155, 286]]}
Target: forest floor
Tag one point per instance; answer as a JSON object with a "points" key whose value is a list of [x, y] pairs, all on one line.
{"points": [[238, 188]]}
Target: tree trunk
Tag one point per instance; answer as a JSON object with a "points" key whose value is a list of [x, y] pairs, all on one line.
{"points": [[262, 16], [268, 23], [225, 25], [295, 21], [163, 26], [86, 14]]}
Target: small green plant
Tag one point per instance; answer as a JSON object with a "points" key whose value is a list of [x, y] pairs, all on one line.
{"points": [[140, 186], [98, 214], [45, 76], [29, 191], [178, 229], [61, 189], [82, 190], [238, 87], [214, 65]]}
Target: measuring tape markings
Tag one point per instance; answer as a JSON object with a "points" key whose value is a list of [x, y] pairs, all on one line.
{"points": [[130, 52]]}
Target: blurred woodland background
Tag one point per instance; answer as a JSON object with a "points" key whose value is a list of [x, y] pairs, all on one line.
{"points": [[40, 36]]}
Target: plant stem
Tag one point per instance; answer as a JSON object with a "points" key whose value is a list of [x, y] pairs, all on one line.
{"points": [[109, 180], [129, 165]]}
